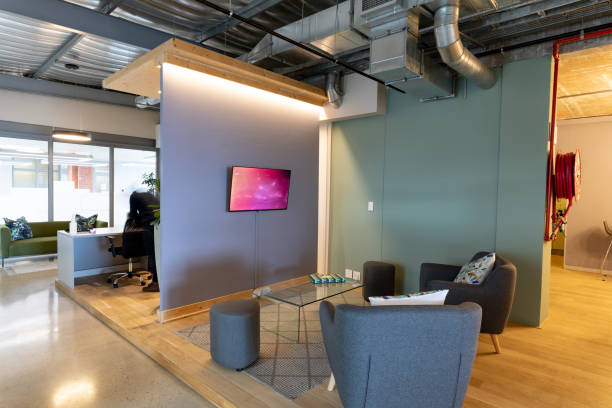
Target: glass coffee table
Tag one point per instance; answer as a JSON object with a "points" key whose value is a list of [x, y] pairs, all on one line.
{"points": [[309, 293]]}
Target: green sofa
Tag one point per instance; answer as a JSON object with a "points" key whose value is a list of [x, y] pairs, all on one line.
{"points": [[44, 240]]}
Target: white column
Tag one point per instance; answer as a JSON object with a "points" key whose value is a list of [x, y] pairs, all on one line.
{"points": [[324, 185]]}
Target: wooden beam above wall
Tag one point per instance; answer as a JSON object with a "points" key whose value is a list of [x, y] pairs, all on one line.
{"points": [[142, 77]]}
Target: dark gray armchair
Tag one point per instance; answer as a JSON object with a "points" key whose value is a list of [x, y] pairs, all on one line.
{"points": [[401, 356], [494, 295]]}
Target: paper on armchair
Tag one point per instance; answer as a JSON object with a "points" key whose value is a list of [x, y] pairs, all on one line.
{"points": [[434, 297]]}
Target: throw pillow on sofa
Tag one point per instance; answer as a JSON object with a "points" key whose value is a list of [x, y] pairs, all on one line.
{"points": [[20, 229], [475, 272], [86, 223]]}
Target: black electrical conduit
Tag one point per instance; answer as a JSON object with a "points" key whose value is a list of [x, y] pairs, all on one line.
{"points": [[293, 42]]}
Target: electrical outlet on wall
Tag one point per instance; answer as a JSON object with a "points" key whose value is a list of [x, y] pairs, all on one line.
{"points": [[356, 275], [348, 273]]}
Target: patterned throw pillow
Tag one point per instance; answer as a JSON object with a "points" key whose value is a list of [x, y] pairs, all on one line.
{"points": [[20, 229], [86, 223], [475, 272]]}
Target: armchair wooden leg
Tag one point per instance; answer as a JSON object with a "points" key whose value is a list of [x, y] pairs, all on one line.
{"points": [[332, 383], [495, 338]]}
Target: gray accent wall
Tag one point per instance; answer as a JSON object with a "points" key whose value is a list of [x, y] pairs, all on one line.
{"points": [[448, 179], [208, 125]]}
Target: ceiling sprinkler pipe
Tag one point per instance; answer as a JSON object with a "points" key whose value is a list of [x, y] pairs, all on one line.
{"points": [[452, 50]]}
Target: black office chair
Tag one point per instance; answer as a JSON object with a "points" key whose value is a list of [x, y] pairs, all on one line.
{"points": [[132, 246]]}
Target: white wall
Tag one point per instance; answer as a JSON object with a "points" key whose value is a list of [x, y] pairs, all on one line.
{"points": [[586, 240], [37, 109]]}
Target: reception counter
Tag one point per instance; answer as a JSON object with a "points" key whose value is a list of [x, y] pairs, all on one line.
{"points": [[86, 253]]}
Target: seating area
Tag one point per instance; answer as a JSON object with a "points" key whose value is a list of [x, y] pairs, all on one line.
{"points": [[43, 241]]}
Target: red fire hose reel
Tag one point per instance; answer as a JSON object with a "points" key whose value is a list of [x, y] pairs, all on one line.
{"points": [[566, 184]]}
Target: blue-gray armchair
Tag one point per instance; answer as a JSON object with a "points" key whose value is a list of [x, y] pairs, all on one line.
{"points": [[401, 356], [495, 294]]}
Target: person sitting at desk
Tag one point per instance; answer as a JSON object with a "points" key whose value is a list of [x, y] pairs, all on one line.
{"points": [[141, 210]]}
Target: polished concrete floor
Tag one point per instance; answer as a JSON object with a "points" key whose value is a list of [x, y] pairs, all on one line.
{"points": [[55, 354]]}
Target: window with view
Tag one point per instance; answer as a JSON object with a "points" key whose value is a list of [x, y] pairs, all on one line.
{"points": [[24, 179], [82, 182]]}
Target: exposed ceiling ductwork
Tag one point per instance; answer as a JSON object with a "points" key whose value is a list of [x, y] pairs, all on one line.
{"points": [[333, 88], [391, 28], [452, 50], [330, 30]]}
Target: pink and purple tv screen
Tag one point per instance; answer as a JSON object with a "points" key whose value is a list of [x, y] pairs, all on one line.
{"points": [[255, 189]]}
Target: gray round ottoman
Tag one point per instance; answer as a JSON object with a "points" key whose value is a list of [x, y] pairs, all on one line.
{"points": [[234, 333]]}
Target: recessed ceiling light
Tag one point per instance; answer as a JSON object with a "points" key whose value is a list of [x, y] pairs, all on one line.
{"points": [[73, 67], [72, 136]]}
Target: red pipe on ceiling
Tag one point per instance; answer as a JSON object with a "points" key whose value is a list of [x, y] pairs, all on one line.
{"points": [[553, 119]]}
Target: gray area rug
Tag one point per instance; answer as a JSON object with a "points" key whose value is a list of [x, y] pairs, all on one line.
{"points": [[289, 368]]}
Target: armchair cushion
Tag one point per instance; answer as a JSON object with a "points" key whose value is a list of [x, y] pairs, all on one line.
{"points": [[48, 228], [34, 246], [475, 271], [434, 271]]}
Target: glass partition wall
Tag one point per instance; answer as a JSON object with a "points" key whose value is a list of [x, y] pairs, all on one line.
{"points": [[83, 178]]}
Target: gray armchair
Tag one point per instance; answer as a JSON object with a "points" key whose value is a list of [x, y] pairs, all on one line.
{"points": [[401, 356], [495, 294]]}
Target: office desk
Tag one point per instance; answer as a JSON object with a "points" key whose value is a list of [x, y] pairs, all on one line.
{"points": [[85, 254]]}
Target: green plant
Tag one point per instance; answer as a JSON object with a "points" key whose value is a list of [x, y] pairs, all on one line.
{"points": [[156, 213], [152, 183]]}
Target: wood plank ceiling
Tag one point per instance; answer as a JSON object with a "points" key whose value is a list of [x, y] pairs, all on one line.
{"points": [[585, 83]]}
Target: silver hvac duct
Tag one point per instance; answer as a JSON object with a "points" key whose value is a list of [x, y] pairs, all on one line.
{"points": [[143, 102], [452, 51], [333, 89]]}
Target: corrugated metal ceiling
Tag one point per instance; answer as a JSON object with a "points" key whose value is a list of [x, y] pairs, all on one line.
{"points": [[96, 57], [26, 43]]}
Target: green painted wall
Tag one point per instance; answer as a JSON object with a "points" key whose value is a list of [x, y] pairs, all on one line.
{"points": [[357, 177], [443, 182], [522, 184]]}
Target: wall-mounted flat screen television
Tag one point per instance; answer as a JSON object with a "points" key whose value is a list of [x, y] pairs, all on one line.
{"points": [[257, 189]]}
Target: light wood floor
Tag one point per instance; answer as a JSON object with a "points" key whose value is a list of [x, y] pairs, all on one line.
{"points": [[565, 363]]}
